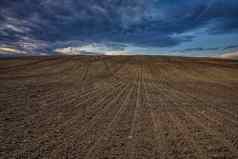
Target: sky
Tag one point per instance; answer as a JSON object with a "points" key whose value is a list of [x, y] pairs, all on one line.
{"points": [[111, 27]]}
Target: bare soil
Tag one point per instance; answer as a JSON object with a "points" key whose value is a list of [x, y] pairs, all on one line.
{"points": [[131, 107]]}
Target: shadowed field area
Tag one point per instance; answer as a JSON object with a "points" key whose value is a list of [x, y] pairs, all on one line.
{"points": [[101, 107]]}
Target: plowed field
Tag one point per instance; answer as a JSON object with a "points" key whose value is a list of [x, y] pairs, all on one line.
{"points": [[131, 107]]}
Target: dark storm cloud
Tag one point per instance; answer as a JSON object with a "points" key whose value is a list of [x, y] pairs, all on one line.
{"points": [[139, 22], [231, 47], [199, 49]]}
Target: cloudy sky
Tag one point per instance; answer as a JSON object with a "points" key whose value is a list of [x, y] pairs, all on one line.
{"points": [[167, 27]]}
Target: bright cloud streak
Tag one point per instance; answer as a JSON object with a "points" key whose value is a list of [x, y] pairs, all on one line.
{"points": [[8, 50], [233, 55]]}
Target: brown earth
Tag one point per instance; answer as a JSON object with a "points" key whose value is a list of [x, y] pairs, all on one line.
{"points": [[118, 107]]}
